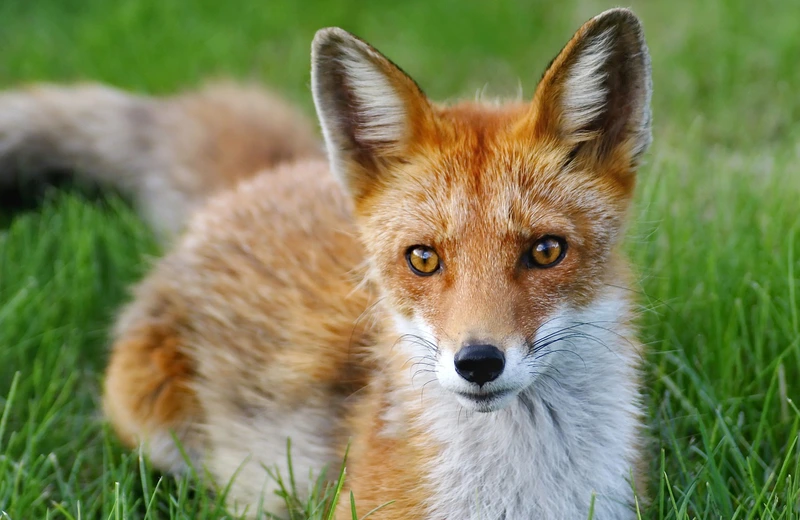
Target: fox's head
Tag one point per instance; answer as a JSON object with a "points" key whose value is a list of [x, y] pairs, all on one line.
{"points": [[484, 224]]}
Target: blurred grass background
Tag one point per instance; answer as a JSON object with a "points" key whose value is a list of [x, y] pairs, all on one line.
{"points": [[716, 234]]}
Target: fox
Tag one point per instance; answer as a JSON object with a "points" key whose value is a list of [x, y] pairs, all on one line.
{"points": [[437, 289]]}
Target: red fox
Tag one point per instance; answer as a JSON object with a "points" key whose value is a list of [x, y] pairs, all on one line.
{"points": [[445, 293]]}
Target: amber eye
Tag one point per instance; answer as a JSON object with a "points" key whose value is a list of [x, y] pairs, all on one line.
{"points": [[546, 252], [422, 260]]}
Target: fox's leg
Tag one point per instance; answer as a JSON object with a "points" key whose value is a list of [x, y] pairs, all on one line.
{"points": [[148, 396]]}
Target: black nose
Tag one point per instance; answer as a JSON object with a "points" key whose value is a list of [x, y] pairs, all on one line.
{"points": [[480, 363]]}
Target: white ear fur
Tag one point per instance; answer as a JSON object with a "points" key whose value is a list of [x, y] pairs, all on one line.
{"points": [[362, 104], [604, 85], [585, 94], [381, 111]]}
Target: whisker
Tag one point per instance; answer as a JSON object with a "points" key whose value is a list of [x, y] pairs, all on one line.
{"points": [[422, 391], [418, 372], [642, 293], [419, 341], [548, 376]]}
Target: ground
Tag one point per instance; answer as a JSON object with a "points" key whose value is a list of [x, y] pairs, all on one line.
{"points": [[716, 236]]}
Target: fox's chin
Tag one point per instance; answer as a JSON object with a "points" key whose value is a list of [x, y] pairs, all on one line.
{"points": [[486, 402]]}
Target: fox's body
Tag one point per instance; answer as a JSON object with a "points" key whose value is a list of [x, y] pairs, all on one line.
{"points": [[293, 306]]}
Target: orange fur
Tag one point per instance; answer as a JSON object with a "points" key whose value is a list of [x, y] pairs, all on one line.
{"points": [[148, 384]]}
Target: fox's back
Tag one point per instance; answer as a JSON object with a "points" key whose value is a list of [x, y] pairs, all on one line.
{"points": [[280, 284]]}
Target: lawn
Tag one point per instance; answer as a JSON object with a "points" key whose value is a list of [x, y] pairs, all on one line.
{"points": [[716, 236]]}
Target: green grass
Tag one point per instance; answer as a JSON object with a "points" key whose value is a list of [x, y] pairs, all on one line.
{"points": [[716, 235]]}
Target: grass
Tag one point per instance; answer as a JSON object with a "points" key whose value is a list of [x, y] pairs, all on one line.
{"points": [[716, 234]]}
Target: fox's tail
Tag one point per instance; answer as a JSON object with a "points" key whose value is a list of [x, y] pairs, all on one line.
{"points": [[167, 154]]}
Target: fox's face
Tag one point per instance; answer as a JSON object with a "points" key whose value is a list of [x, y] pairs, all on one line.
{"points": [[484, 226]]}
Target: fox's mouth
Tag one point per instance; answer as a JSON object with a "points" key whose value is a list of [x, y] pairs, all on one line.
{"points": [[484, 401]]}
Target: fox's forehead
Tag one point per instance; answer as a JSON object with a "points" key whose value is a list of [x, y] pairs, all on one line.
{"points": [[512, 187], [454, 193], [480, 171]]}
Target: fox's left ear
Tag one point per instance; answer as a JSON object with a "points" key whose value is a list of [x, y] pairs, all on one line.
{"points": [[596, 93], [370, 111]]}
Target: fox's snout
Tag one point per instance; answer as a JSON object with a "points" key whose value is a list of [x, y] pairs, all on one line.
{"points": [[484, 376]]}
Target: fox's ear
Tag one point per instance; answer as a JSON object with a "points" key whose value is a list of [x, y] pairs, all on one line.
{"points": [[596, 92], [368, 108]]}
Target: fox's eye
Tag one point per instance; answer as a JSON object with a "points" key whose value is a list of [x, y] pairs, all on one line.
{"points": [[546, 252], [422, 260]]}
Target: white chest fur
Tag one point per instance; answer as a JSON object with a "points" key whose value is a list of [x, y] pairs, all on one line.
{"points": [[569, 440], [545, 456]]}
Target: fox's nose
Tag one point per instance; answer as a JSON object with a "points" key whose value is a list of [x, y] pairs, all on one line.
{"points": [[480, 363]]}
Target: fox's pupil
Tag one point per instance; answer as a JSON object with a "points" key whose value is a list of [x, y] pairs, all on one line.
{"points": [[547, 252], [423, 260]]}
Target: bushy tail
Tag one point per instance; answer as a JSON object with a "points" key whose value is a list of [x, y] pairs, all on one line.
{"points": [[167, 154]]}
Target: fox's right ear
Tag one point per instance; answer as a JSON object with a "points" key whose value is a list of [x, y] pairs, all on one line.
{"points": [[370, 110]]}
